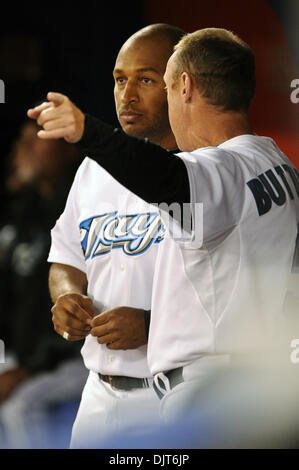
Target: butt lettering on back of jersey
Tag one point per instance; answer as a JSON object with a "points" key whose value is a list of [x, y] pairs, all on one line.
{"points": [[268, 187]]}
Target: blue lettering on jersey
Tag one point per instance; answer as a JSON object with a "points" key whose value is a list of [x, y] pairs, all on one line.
{"points": [[134, 233], [268, 188]]}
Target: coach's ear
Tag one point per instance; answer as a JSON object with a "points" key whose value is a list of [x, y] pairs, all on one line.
{"points": [[186, 86]]}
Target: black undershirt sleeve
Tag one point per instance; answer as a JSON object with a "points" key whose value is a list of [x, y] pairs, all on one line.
{"points": [[153, 173]]}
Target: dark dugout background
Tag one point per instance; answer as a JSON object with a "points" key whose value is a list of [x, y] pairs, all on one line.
{"points": [[72, 50]]}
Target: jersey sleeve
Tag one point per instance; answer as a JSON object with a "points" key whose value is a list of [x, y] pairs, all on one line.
{"points": [[65, 236], [217, 194]]}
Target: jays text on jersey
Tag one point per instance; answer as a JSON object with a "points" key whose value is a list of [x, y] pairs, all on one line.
{"points": [[113, 236]]}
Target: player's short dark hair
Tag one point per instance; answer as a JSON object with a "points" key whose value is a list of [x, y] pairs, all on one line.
{"points": [[222, 65], [172, 33]]}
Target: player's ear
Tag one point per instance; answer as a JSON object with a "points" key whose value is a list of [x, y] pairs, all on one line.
{"points": [[186, 86]]}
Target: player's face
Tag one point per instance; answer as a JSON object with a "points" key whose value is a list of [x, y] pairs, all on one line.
{"points": [[139, 91]]}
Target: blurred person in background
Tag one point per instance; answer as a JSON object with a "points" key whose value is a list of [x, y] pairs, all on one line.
{"points": [[42, 371]]}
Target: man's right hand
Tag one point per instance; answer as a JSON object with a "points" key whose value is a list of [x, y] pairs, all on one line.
{"points": [[73, 313], [59, 117]]}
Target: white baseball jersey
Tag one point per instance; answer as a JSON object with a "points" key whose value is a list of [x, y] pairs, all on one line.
{"points": [[227, 295], [113, 236]]}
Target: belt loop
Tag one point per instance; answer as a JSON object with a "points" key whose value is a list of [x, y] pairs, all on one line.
{"points": [[162, 383]]}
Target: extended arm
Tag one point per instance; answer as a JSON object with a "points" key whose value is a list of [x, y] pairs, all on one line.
{"points": [[151, 172]]}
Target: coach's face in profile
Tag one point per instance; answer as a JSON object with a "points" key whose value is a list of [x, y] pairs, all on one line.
{"points": [[174, 96], [140, 96], [183, 99]]}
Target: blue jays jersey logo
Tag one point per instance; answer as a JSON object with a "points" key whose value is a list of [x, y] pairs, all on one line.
{"points": [[133, 233]]}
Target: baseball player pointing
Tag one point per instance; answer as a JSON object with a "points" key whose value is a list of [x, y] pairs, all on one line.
{"points": [[223, 298]]}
